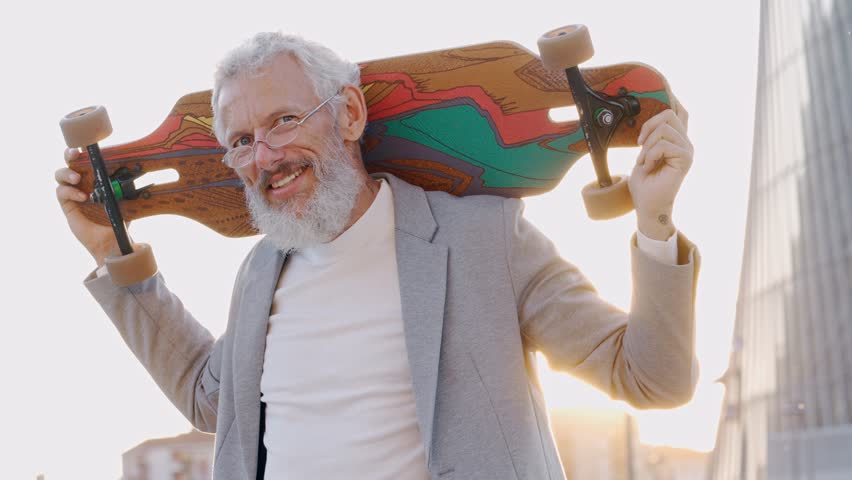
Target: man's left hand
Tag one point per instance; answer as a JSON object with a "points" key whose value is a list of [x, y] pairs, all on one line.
{"points": [[660, 169]]}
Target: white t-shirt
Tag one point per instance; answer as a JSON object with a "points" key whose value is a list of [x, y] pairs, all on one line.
{"points": [[336, 378]]}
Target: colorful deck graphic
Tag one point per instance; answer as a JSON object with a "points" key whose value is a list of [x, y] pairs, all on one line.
{"points": [[471, 120], [476, 120]]}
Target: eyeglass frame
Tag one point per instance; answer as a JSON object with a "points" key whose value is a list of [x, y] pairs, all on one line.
{"points": [[291, 126]]}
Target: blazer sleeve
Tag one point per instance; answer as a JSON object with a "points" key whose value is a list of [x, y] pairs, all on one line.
{"points": [[645, 356], [180, 354]]}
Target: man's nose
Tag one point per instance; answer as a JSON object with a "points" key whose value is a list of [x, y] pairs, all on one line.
{"points": [[266, 157]]}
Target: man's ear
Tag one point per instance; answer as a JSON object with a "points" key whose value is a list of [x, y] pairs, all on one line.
{"points": [[352, 117]]}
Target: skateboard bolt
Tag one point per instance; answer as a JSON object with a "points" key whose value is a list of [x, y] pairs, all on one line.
{"points": [[604, 118], [99, 194]]}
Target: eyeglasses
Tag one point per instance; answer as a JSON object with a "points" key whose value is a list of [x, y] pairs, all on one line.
{"points": [[277, 137]]}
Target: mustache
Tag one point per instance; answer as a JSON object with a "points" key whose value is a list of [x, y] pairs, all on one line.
{"points": [[285, 168]]}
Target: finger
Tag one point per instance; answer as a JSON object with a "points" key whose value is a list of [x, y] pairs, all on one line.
{"points": [[650, 126], [666, 132], [71, 154], [66, 175], [69, 197], [681, 112], [667, 153], [666, 116], [655, 122]]}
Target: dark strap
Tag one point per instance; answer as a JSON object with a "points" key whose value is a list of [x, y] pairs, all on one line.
{"points": [[261, 448]]}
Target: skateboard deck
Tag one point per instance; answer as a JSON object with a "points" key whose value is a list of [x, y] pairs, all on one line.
{"points": [[470, 120]]}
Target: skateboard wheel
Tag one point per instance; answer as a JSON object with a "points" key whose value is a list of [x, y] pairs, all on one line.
{"points": [[565, 47], [608, 202], [86, 126], [131, 269]]}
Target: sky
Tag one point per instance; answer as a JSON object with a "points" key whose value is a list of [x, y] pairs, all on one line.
{"points": [[74, 397]]}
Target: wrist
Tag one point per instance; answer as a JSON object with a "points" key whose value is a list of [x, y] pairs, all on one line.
{"points": [[658, 226], [105, 250], [100, 258]]}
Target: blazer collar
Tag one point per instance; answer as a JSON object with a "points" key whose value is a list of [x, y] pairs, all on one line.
{"points": [[422, 269], [263, 268], [412, 212]]}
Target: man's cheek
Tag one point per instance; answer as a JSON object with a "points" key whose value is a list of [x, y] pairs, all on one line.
{"points": [[244, 175]]}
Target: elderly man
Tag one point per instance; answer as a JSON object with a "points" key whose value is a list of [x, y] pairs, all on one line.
{"points": [[378, 331]]}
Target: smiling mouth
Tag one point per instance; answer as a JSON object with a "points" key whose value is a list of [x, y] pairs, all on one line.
{"points": [[289, 178], [283, 175]]}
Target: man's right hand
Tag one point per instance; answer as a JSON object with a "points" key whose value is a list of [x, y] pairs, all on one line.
{"points": [[98, 239]]}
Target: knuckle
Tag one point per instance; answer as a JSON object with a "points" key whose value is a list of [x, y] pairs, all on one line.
{"points": [[652, 137]]}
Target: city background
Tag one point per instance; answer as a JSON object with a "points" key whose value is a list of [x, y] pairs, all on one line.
{"points": [[787, 412], [766, 201]]}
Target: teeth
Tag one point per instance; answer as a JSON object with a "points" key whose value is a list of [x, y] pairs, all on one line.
{"points": [[288, 179]]}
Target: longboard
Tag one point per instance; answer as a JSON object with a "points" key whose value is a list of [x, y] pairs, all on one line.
{"points": [[468, 121]]}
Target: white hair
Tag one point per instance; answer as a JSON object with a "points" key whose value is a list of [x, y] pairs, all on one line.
{"points": [[324, 68]]}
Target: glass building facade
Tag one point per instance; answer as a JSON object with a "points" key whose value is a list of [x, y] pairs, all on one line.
{"points": [[787, 412]]}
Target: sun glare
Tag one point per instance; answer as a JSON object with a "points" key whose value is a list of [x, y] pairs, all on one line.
{"points": [[683, 427]]}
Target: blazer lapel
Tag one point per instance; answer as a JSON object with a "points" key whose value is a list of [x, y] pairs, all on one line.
{"points": [[422, 268], [263, 271]]}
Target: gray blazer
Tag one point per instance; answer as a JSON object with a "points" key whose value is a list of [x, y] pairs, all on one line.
{"points": [[482, 290]]}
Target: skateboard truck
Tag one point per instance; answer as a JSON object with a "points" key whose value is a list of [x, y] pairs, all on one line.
{"points": [[123, 186], [599, 127], [563, 49], [85, 128]]}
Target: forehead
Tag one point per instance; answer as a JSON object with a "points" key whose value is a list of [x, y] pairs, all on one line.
{"points": [[281, 84]]}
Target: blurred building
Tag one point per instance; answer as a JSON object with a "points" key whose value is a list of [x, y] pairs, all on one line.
{"points": [[595, 443], [185, 457], [592, 443], [604, 444], [668, 463], [787, 412]]}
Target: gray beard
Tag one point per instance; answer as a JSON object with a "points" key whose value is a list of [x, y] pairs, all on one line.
{"points": [[325, 215]]}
